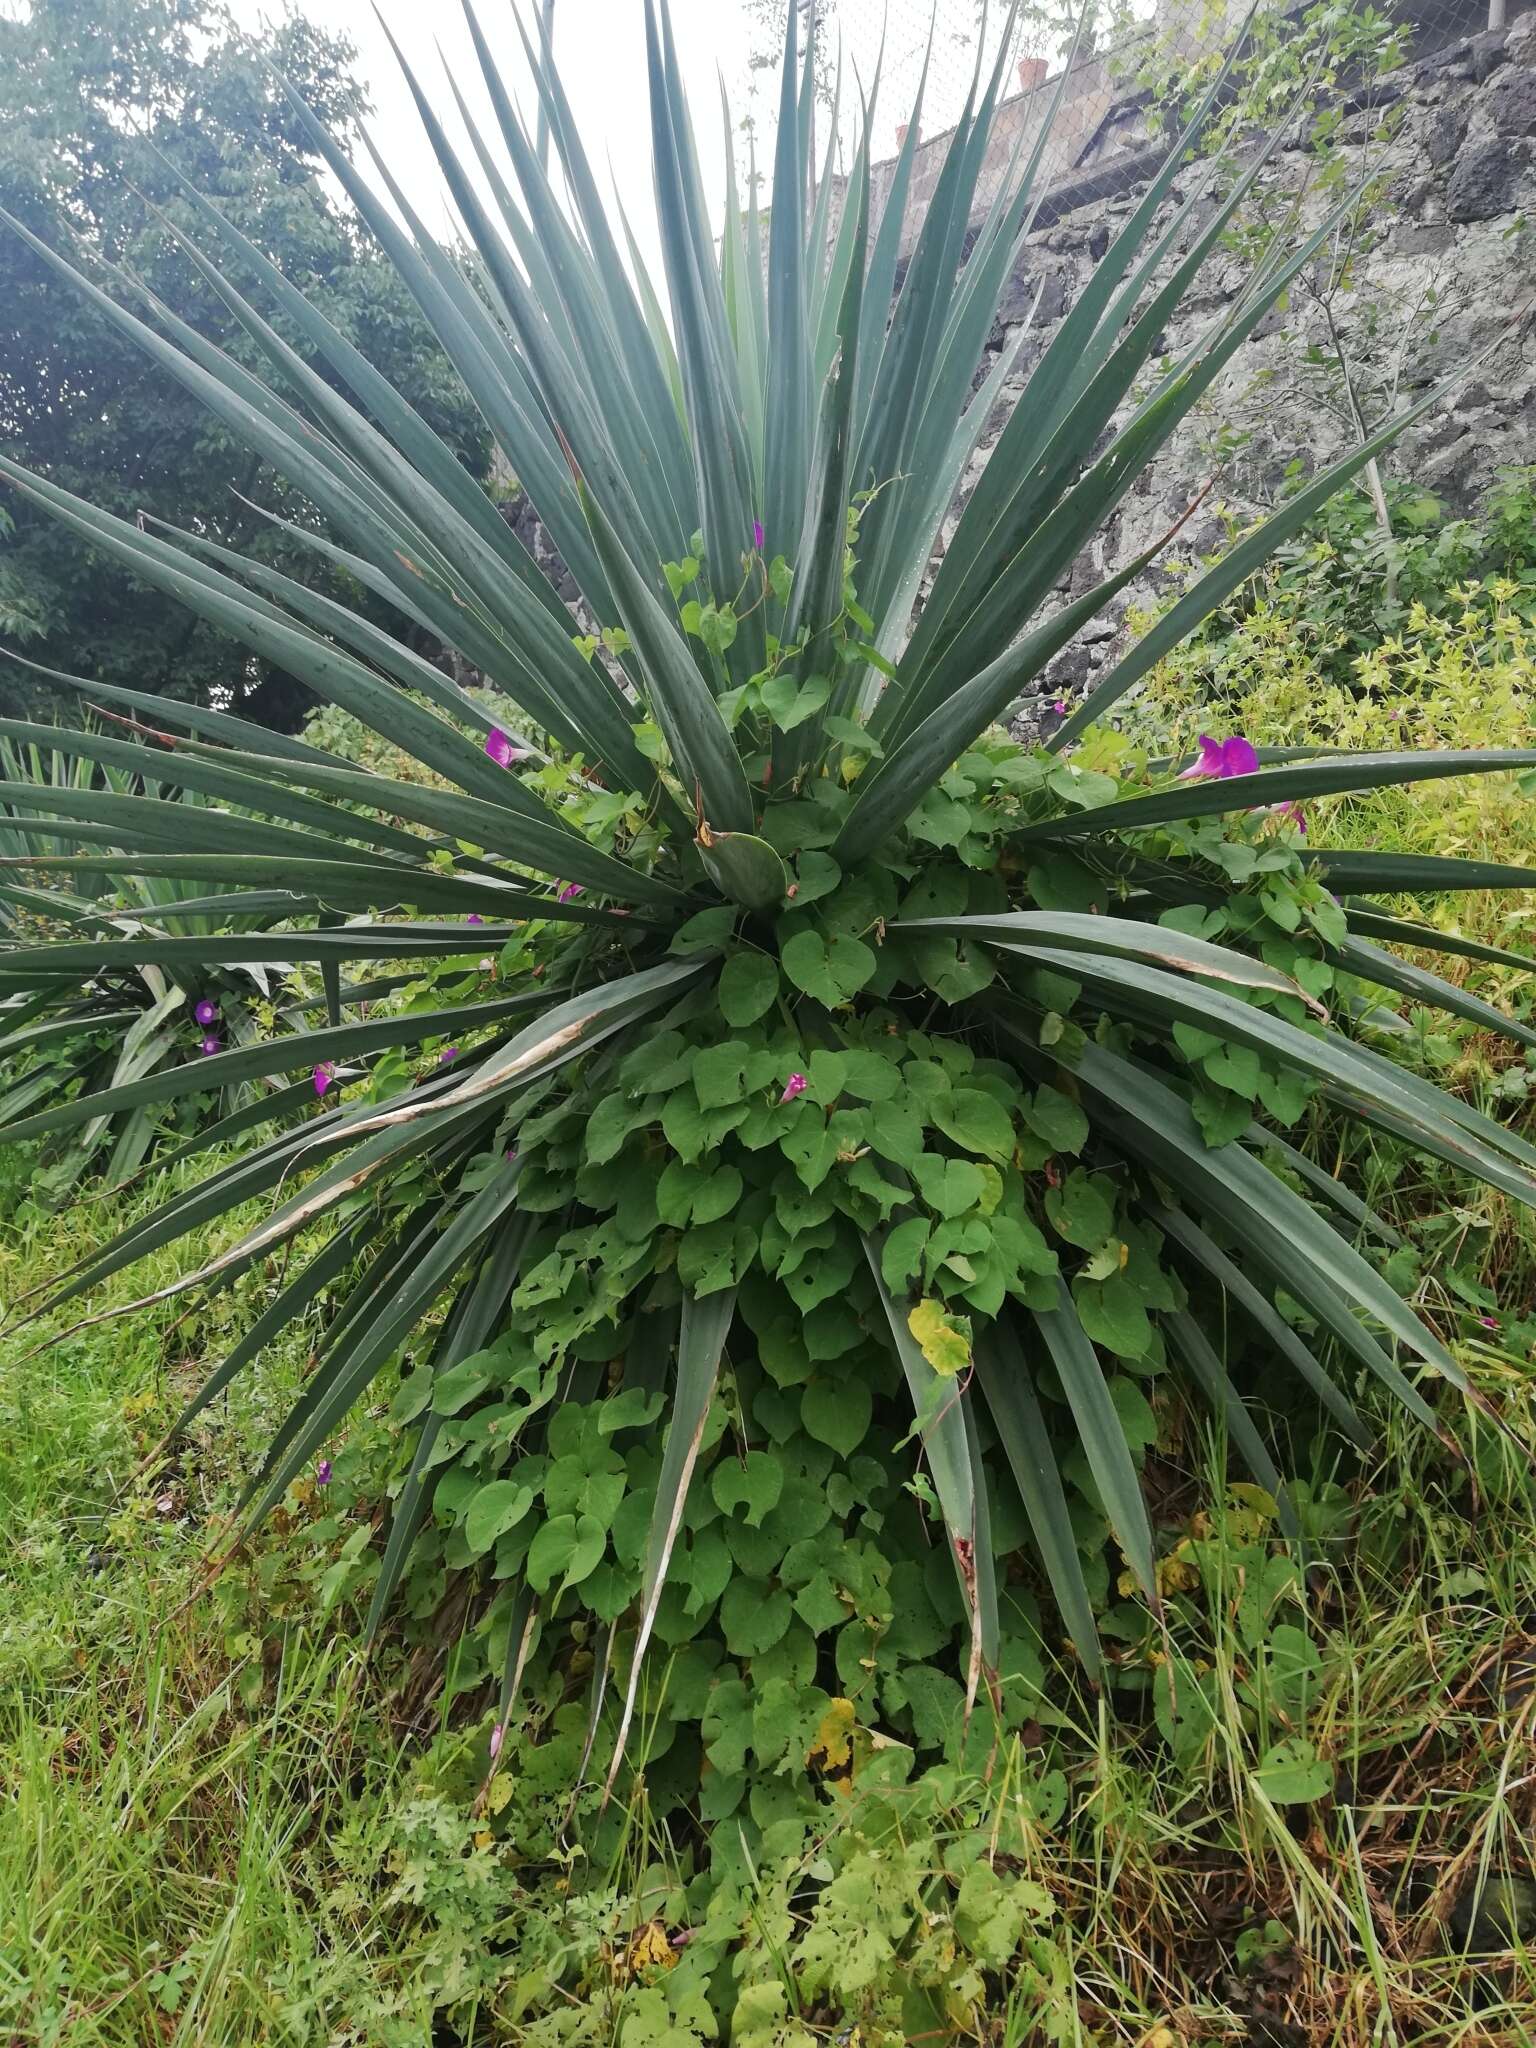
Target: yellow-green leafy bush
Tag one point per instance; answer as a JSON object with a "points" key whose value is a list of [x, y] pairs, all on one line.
{"points": [[1461, 676]]}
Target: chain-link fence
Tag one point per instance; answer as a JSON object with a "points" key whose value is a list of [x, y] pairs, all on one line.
{"points": [[1118, 70]]}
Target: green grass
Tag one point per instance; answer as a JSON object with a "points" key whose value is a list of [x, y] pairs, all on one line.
{"points": [[171, 1758], [221, 1827]]}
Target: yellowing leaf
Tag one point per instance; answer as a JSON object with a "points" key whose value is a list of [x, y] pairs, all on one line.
{"points": [[1250, 1511], [651, 1949], [1178, 1572], [831, 1752], [943, 1339], [1109, 1258]]}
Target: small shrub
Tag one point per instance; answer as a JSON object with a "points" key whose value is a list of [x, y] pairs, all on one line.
{"points": [[1313, 656]]}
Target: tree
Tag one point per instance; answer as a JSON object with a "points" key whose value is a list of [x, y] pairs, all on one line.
{"points": [[100, 110]]}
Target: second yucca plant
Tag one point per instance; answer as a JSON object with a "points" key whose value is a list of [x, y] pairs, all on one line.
{"points": [[62, 1038], [810, 1036]]}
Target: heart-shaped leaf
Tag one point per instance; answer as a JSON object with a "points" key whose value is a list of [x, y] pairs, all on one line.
{"points": [[749, 983], [494, 1510], [743, 867], [943, 1339], [833, 971]]}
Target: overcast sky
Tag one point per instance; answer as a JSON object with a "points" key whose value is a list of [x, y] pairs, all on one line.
{"points": [[600, 45], [601, 48]]}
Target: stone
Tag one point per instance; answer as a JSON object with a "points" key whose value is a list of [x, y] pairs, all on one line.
{"points": [[1442, 133], [1482, 185], [1270, 323], [1447, 55], [1459, 164], [1428, 239], [1511, 100], [1440, 434], [1455, 475], [1068, 671], [1019, 297], [1488, 51]]}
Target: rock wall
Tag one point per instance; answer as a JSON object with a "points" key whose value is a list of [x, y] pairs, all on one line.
{"points": [[1447, 265], [1438, 281]]}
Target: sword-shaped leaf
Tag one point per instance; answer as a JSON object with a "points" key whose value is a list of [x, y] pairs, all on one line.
{"points": [[703, 752], [1265, 1316], [1413, 874], [1009, 1389], [1192, 1345], [1336, 776], [1101, 1433], [706, 1323], [286, 1055], [937, 1402]]}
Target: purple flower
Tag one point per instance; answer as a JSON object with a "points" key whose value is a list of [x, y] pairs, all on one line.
{"points": [[501, 749], [496, 1738], [1221, 758], [325, 1074], [449, 1052], [206, 1011], [323, 1472], [794, 1086], [1489, 1322], [757, 533], [474, 917], [569, 891], [211, 1043], [1292, 814], [1060, 707]]}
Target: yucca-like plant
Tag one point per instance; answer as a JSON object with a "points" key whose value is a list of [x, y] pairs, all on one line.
{"points": [[834, 1043], [99, 1032]]}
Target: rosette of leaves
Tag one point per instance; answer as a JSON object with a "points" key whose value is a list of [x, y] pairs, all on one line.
{"points": [[1050, 1011], [87, 1034]]}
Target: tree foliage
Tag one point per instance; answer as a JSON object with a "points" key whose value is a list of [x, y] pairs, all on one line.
{"points": [[103, 111]]}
